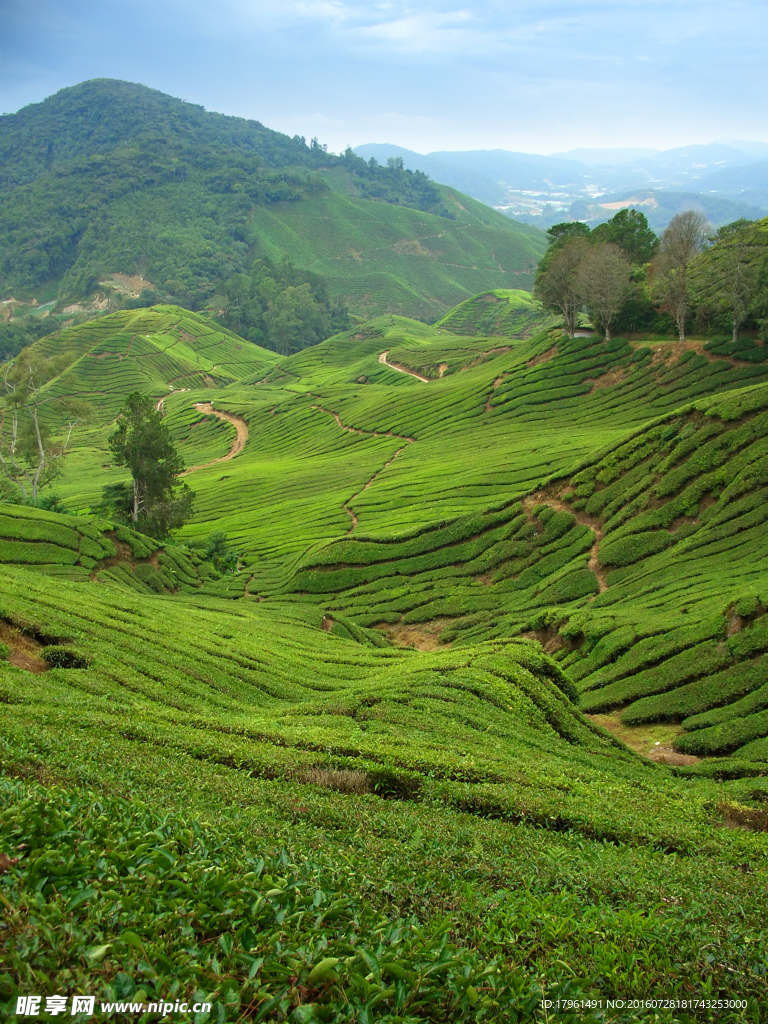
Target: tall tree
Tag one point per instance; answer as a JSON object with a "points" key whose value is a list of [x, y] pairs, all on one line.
{"points": [[726, 277], [683, 239], [603, 282], [557, 287], [154, 503], [31, 446]]}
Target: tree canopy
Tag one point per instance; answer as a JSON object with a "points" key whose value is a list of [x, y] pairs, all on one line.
{"points": [[280, 307], [154, 503], [629, 230]]}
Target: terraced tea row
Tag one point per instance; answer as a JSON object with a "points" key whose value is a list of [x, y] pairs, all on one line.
{"points": [[85, 549]]}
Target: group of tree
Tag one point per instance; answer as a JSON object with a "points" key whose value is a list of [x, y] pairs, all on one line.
{"points": [[595, 270], [626, 278], [36, 428], [280, 307]]}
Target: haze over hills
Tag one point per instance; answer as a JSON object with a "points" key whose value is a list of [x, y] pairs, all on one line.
{"points": [[723, 180]]}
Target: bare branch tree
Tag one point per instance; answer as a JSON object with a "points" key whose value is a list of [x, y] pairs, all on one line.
{"points": [[556, 286], [683, 239], [29, 456], [603, 280]]}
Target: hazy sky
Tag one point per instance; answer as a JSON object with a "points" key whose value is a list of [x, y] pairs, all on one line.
{"points": [[531, 75]]}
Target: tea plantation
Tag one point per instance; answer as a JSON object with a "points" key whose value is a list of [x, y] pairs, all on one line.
{"points": [[367, 776]]}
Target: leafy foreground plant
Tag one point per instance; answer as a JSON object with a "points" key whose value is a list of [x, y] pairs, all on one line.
{"points": [[498, 850], [262, 938], [151, 907]]}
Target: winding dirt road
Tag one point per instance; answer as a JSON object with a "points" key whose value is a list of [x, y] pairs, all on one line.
{"points": [[237, 445], [402, 369]]}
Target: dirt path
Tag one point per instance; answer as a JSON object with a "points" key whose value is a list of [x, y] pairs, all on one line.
{"points": [[24, 651], [402, 369], [173, 391], [496, 383], [237, 445], [366, 433], [540, 498]]}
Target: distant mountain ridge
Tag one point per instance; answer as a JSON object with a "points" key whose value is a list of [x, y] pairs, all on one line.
{"points": [[728, 179]]}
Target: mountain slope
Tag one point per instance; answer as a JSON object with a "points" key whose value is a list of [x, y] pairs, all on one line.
{"points": [[109, 178], [346, 776], [426, 483]]}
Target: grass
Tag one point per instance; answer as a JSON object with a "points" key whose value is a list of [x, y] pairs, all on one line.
{"points": [[376, 728]]}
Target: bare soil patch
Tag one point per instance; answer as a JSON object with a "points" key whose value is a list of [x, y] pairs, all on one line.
{"points": [[607, 380], [25, 652], [736, 816], [653, 739], [668, 353], [348, 781], [543, 357], [128, 284], [423, 636]]}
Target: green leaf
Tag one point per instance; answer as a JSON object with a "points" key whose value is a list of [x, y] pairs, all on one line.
{"points": [[81, 897], [95, 954], [132, 939], [321, 971]]}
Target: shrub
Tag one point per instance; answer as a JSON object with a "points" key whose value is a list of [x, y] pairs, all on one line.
{"points": [[59, 656]]}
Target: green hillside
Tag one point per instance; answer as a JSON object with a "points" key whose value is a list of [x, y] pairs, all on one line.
{"points": [[505, 312], [110, 189], [225, 802], [377, 773]]}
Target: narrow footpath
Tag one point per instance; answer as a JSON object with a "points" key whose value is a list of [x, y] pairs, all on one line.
{"points": [[584, 520], [367, 433], [238, 444]]}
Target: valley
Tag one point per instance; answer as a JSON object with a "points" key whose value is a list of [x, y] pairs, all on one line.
{"points": [[444, 698], [462, 556]]}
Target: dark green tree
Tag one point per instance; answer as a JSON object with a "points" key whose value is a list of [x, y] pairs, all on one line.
{"points": [[155, 503], [560, 235], [295, 320], [221, 554], [629, 230], [726, 277]]}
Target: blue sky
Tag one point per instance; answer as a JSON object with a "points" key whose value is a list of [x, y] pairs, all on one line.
{"points": [[530, 75]]}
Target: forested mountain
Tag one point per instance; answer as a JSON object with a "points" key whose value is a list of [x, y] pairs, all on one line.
{"points": [[110, 178]]}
